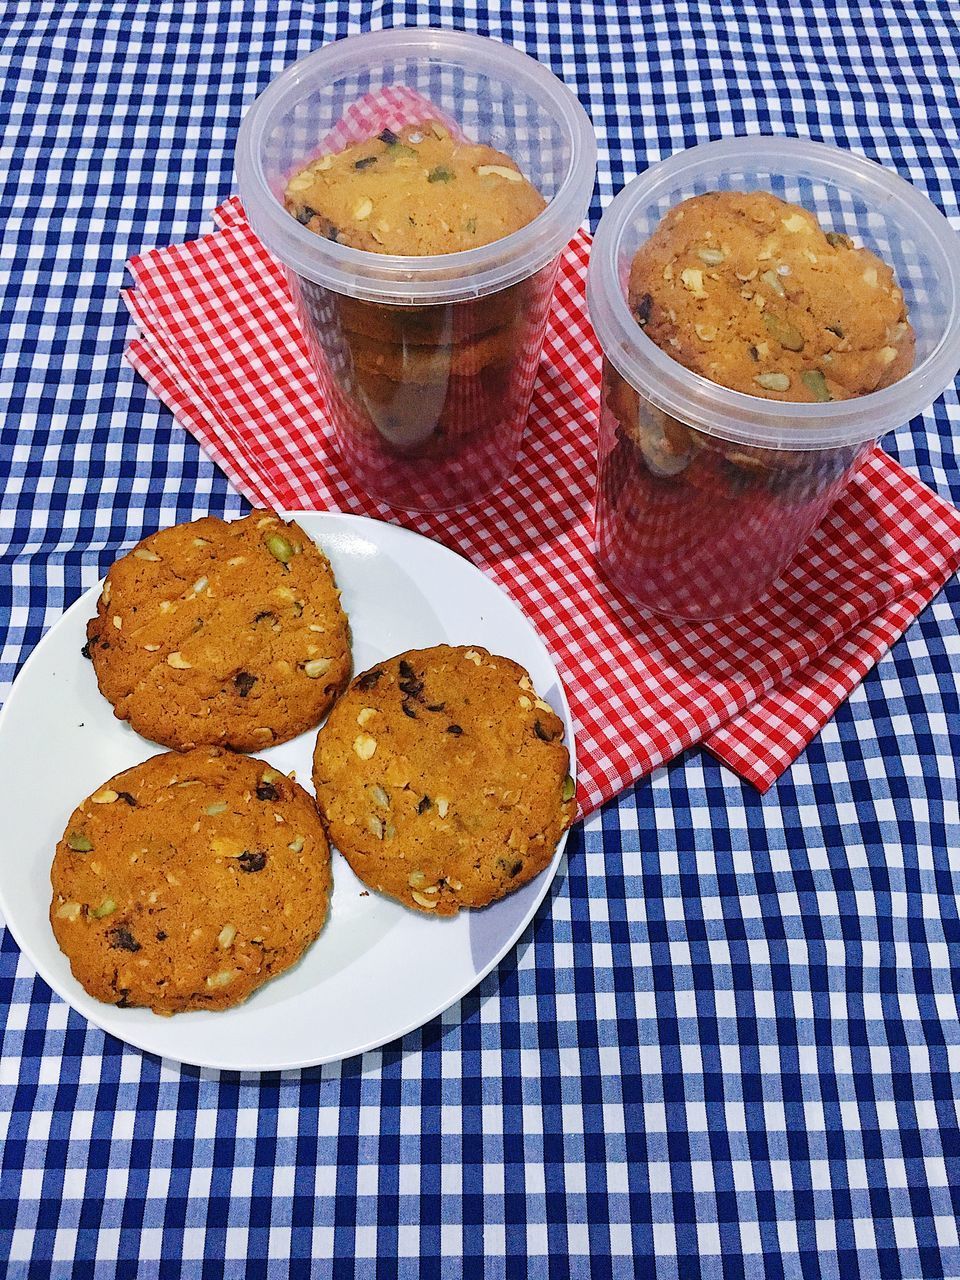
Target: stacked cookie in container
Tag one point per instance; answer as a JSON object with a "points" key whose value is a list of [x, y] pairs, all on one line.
{"points": [[419, 187], [422, 385]]}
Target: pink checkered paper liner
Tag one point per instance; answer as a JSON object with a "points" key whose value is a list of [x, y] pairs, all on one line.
{"points": [[220, 343]]}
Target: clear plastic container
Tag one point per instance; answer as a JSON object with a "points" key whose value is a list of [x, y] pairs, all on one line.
{"points": [[427, 363], [705, 494]]}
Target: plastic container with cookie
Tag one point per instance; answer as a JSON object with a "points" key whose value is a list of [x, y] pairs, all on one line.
{"points": [[419, 186], [767, 308]]}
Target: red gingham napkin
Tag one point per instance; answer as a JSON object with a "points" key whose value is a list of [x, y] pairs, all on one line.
{"points": [[219, 342]]}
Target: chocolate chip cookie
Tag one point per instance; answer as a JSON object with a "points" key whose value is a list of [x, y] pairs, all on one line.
{"points": [[419, 191], [442, 778], [222, 634], [188, 881], [433, 364], [752, 293]]}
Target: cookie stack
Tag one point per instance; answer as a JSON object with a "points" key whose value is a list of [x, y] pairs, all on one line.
{"points": [[188, 881], [421, 378]]}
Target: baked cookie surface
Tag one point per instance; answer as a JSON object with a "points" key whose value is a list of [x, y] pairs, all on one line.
{"points": [[752, 293], [188, 881], [218, 633], [442, 778], [415, 192]]}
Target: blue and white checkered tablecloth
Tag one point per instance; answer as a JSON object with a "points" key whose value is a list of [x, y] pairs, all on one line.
{"points": [[729, 1045]]}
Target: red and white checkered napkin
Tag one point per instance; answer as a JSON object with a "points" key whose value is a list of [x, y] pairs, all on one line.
{"points": [[219, 342]]}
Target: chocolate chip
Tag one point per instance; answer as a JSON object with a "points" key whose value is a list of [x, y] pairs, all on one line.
{"points": [[244, 682], [85, 651], [643, 309], [425, 804], [369, 680], [541, 732], [124, 940], [127, 798], [754, 353], [454, 729], [252, 861], [409, 682], [332, 232], [161, 936], [389, 137], [305, 214], [408, 711], [516, 868], [437, 706], [266, 791], [365, 162], [123, 1002]]}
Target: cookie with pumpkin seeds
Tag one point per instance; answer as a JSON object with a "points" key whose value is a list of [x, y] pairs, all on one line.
{"points": [[443, 778], [753, 293], [188, 881], [227, 634], [415, 192]]}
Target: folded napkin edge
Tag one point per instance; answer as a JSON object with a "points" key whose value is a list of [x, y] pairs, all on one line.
{"points": [[141, 357]]}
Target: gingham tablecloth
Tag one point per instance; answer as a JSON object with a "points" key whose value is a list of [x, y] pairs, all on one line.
{"points": [[729, 1045]]}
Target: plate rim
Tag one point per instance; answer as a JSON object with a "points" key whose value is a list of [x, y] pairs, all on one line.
{"points": [[548, 875]]}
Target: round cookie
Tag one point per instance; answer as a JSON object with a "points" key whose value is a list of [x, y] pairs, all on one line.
{"points": [[188, 881], [752, 293], [222, 634], [416, 192], [442, 778]]}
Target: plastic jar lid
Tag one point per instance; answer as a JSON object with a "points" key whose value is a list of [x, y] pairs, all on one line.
{"points": [[846, 192], [478, 82]]}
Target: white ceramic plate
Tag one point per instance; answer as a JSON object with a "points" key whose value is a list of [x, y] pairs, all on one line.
{"points": [[377, 970]]}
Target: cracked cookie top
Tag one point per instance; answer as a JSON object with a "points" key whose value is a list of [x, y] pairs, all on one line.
{"points": [[416, 192], [228, 634], [442, 778], [752, 293]]}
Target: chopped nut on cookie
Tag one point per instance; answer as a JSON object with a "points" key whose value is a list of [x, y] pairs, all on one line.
{"points": [[178, 893], [221, 661], [744, 279], [462, 768]]}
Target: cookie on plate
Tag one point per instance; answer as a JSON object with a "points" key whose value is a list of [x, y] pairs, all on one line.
{"points": [[442, 778], [428, 364], [221, 634], [188, 881]]}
